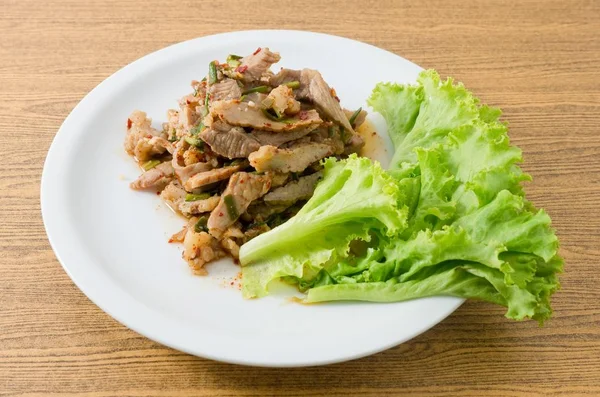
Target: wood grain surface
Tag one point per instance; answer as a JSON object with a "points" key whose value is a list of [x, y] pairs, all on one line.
{"points": [[538, 60]]}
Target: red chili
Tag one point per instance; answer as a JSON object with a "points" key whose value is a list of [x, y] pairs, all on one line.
{"points": [[257, 51], [129, 123], [241, 69], [303, 115], [220, 214], [267, 124]]}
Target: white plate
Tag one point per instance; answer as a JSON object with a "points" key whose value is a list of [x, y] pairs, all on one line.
{"points": [[112, 241]]}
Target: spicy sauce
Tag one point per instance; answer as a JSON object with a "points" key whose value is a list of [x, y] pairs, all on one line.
{"points": [[375, 147]]}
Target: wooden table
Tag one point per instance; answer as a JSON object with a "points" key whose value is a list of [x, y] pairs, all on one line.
{"points": [[538, 60]]}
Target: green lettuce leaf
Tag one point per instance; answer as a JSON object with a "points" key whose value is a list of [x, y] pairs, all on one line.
{"points": [[465, 280], [502, 242], [355, 197], [422, 115], [448, 218]]}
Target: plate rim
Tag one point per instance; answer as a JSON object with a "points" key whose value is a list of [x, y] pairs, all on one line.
{"points": [[47, 200]]}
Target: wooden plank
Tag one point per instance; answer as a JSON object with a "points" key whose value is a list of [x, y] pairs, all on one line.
{"points": [[536, 59]]}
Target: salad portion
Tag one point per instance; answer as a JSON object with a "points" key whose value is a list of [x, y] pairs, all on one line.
{"points": [[449, 216], [242, 153]]}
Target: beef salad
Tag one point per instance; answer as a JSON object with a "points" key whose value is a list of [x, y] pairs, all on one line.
{"points": [[265, 168], [243, 152]]}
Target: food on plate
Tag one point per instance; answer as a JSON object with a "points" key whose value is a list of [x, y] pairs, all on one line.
{"points": [[243, 152], [449, 216]]}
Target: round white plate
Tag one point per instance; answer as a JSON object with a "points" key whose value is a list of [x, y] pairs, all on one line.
{"points": [[112, 241]]}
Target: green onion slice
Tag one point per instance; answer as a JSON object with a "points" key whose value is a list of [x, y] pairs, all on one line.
{"points": [[196, 197], [260, 88], [200, 226], [212, 73], [148, 165], [352, 118], [230, 205], [293, 84]]}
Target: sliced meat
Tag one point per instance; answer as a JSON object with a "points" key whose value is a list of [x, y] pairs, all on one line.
{"points": [[279, 138], [301, 189], [226, 89], [146, 148], [218, 125], [359, 120], [157, 177], [278, 178], [199, 206], [253, 66], [243, 114], [228, 141], [212, 176], [282, 101], [256, 97], [185, 171], [138, 127], [200, 248], [355, 144], [329, 134], [314, 88], [188, 117], [255, 230], [173, 194], [266, 77], [294, 159], [231, 240], [259, 211], [285, 76], [243, 188]]}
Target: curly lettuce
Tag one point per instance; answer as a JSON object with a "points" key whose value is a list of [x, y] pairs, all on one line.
{"points": [[448, 218], [502, 242], [355, 197]]}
